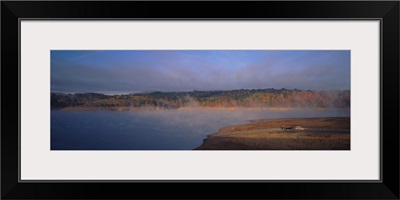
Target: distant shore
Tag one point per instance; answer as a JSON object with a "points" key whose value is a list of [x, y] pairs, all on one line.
{"points": [[187, 108], [329, 133]]}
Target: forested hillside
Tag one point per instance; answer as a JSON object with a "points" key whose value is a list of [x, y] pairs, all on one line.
{"points": [[231, 98]]}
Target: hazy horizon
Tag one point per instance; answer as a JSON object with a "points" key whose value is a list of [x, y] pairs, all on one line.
{"points": [[116, 72], [144, 92]]}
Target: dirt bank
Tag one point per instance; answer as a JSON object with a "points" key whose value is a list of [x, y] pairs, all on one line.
{"points": [[320, 134]]}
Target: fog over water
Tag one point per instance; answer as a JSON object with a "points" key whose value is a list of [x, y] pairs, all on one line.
{"points": [[155, 130]]}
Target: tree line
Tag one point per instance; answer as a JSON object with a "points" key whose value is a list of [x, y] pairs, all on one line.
{"points": [[226, 98]]}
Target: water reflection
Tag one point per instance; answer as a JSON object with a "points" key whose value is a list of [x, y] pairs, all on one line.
{"points": [[155, 130]]}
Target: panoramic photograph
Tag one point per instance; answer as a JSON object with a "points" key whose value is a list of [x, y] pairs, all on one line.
{"points": [[200, 100]]}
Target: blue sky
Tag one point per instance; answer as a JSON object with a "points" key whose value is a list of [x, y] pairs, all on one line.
{"points": [[129, 71]]}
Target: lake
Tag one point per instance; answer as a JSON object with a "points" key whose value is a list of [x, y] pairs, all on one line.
{"points": [[155, 130]]}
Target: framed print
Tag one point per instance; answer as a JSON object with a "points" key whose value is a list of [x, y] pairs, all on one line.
{"points": [[112, 97]]}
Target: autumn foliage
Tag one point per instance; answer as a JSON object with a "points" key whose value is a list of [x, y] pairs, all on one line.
{"points": [[228, 98]]}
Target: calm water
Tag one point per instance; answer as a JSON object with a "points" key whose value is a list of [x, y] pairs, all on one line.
{"points": [[152, 130]]}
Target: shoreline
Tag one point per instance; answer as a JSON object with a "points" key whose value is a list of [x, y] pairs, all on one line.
{"points": [[324, 133], [193, 108]]}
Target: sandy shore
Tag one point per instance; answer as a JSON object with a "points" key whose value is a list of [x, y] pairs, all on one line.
{"points": [[265, 134]]}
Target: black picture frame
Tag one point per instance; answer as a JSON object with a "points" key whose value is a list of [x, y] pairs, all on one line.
{"points": [[386, 11]]}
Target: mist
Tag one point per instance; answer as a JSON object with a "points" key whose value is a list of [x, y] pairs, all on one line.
{"points": [[156, 130]]}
